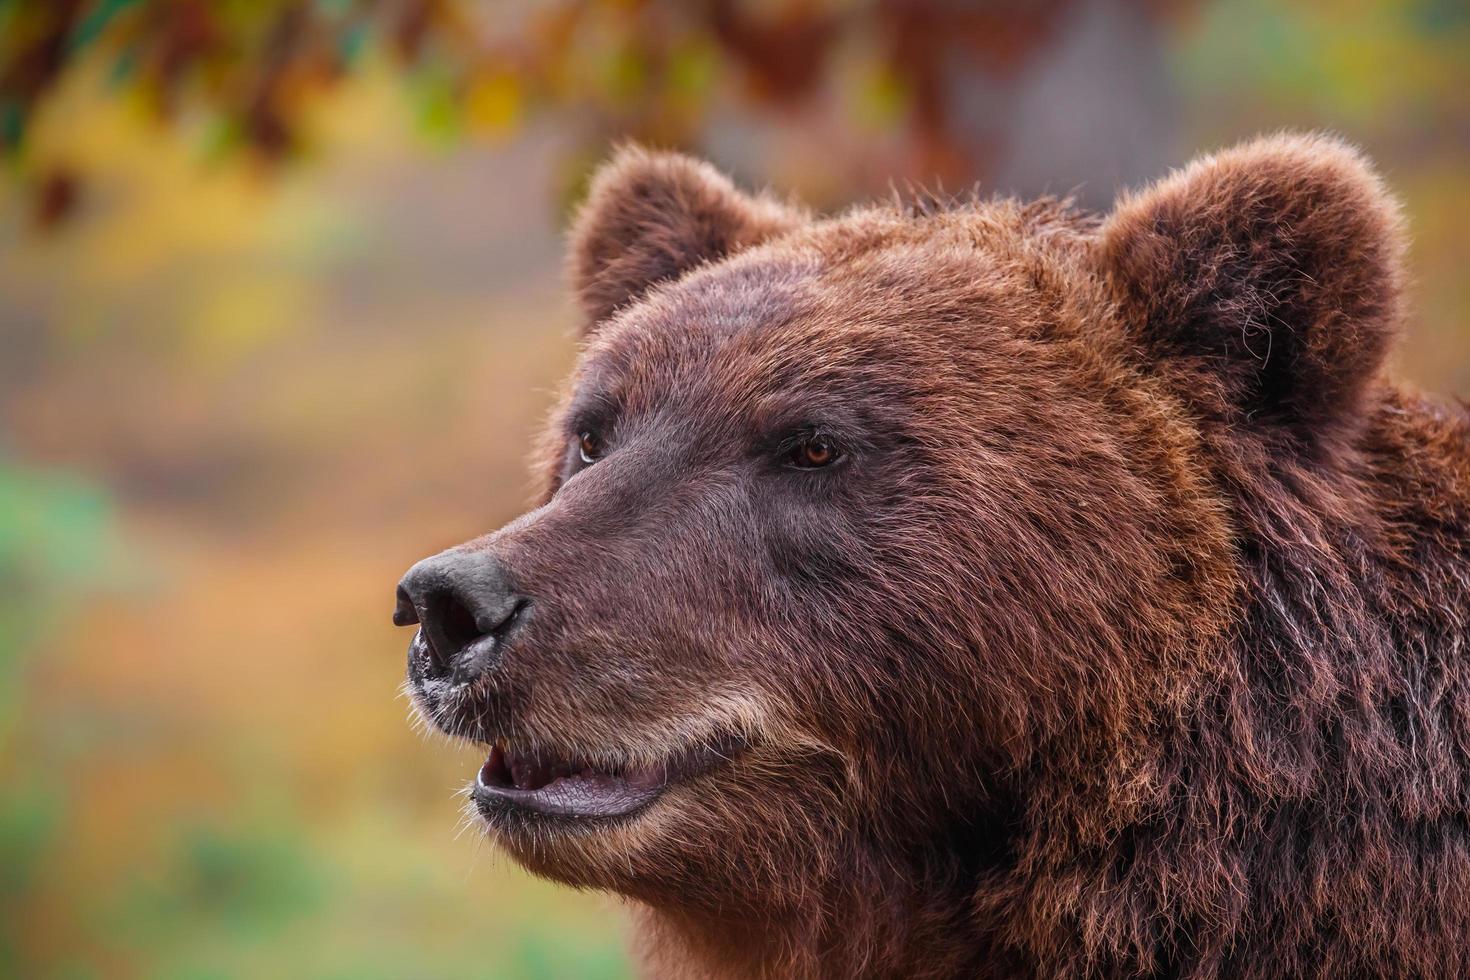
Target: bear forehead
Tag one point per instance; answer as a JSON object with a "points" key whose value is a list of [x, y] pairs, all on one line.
{"points": [[854, 304]]}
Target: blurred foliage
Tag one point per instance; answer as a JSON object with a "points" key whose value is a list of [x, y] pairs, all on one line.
{"points": [[54, 543], [55, 538], [242, 76], [307, 321], [1402, 66]]}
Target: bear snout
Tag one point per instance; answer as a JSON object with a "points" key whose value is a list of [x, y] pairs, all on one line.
{"points": [[467, 612]]}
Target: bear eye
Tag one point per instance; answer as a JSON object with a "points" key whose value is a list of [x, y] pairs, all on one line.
{"points": [[589, 446], [812, 453]]}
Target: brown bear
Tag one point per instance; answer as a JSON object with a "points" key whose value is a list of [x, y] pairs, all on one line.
{"points": [[985, 589]]}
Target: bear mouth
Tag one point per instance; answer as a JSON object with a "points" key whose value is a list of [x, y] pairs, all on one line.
{"points": [[549, 785]]}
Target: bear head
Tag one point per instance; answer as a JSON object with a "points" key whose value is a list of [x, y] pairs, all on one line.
{"points": [[866, 539]]}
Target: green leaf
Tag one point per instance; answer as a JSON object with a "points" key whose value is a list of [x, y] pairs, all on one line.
{"points": [[92, 26]]}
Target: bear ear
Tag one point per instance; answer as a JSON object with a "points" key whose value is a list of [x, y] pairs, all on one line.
{"points": [[651, 217], [1265, 278]]}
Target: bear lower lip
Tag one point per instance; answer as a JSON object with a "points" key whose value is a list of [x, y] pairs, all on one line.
{"points": [[559, 787]]}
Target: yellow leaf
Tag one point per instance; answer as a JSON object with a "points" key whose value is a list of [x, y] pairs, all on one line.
{"points": [[494, 102]]}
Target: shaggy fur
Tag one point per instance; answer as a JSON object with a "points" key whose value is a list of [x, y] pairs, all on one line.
{"points": [[1128, 638]]}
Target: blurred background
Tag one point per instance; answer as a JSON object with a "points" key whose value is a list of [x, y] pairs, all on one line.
{"points": [[281, 311]]}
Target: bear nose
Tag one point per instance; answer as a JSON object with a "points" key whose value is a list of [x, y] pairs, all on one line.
{"points": [[465, 609]]}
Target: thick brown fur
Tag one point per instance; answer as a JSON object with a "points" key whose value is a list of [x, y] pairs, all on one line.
{"points": [[1130, 637]]}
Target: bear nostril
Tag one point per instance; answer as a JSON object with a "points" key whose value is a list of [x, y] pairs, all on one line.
{"points": [[404, 614], [480, 655], [465, 610], [449, 627]]}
